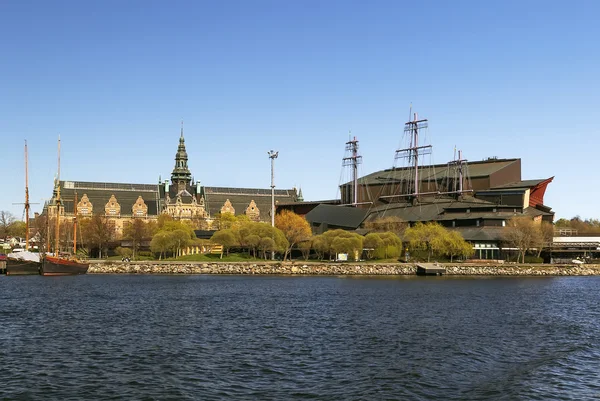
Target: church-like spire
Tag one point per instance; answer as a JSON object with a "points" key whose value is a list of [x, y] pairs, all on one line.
{"points": [[181, 176], [300, 197]]}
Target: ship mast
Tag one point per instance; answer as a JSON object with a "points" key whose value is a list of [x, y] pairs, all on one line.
{"points": [[26, 201], [460, 167], [460, 171], [57, 228], [412, 153], [75, 225], [353, 161]]}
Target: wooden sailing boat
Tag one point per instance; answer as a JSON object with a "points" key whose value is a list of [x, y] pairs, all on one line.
{"points": [[24, 263], [57, 265]]}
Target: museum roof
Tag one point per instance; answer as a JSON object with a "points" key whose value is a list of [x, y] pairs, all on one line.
{"points": [[437, 171], [481, 233], [240, 198], [429, 209], [336, 215], [100, 193], [109, 186], [249, 191], [523, 184]]}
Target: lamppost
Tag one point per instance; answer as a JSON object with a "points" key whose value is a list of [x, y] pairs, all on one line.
{"points": [[272, 155]]}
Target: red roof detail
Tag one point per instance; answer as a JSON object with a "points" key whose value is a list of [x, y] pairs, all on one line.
{"points": [[536, 195]]}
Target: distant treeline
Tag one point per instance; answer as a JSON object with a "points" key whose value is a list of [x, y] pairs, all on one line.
{"points": [[587, 226]]}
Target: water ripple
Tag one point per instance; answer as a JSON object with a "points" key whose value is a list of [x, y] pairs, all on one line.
{"points": [[273, 338]]}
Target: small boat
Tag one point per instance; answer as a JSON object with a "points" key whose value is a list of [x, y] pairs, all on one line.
{"points": [[60, 266]]}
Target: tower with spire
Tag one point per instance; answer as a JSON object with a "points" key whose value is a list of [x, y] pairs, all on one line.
{"points": [[181, 176], [183, 198]]}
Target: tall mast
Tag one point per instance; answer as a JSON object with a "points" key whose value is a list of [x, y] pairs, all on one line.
{"points": [[57, 228], [412, 153], [26, 201], [273, 155], [47, 233], [75, 225], [460, 171], [353, 160], [459, 166], [416, 155]]}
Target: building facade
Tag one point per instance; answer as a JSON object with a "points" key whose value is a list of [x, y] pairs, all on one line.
{"points": [[181, 197]]}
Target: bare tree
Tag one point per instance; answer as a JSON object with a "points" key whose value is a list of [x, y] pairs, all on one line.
{"points": [[98, 232], [39, 232], [546, 237], [6, 221], [387, 224], [136, 232], [524, 234]]}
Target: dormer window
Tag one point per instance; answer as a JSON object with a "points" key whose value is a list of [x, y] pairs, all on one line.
{"points": [[112, 207], [84, 207]]}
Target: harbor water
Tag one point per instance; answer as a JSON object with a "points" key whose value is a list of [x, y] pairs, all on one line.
{"points": [[204, 337]]}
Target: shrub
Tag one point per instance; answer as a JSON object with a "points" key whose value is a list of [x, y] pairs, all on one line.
{"points": [[533, 259], [124, 252]]}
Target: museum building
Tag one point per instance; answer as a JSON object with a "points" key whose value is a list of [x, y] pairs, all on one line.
{"points": [[180, 197]]}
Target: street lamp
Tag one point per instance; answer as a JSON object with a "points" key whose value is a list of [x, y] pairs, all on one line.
{"points": [[272, 155]]}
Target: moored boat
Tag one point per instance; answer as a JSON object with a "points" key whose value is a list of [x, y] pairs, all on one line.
{"points": [[18, 267], [57, 266], [23, 263]]}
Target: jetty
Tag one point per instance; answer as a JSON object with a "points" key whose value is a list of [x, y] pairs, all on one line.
{"points": [[430, 269]]}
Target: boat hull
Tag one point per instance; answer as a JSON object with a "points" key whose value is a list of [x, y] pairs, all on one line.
{"points": [[17, 267], [62, 267]]}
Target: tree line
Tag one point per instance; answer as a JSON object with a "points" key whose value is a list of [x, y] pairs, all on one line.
{"points": [[292, 232], [387, 238], [583, 226]]}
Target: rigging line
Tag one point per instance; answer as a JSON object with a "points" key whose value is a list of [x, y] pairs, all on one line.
{"points": [[342, 177], [394, 177], [338, 190], [395, 170], [370, 198]]}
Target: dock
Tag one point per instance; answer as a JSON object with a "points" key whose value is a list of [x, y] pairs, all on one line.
{"points": [[430, 269]]}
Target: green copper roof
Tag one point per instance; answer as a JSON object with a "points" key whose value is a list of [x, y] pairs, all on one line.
{"points": [[181, 170]]}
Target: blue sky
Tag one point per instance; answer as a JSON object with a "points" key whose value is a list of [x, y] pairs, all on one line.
{"points": [[115, 78]]}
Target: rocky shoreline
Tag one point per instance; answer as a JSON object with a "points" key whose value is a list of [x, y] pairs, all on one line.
{"points": [[336, 269]]}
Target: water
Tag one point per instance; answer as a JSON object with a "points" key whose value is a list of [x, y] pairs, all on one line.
{"points": [[288, 338]]}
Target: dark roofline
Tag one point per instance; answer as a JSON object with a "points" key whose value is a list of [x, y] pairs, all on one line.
{"points": [[247, 191], [524, 184], [507, 191], [317, 202], [469, 163], [112, 186]]}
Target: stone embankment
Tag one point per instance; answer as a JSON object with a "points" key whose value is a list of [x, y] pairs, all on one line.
{"points": [[335, 269]]}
